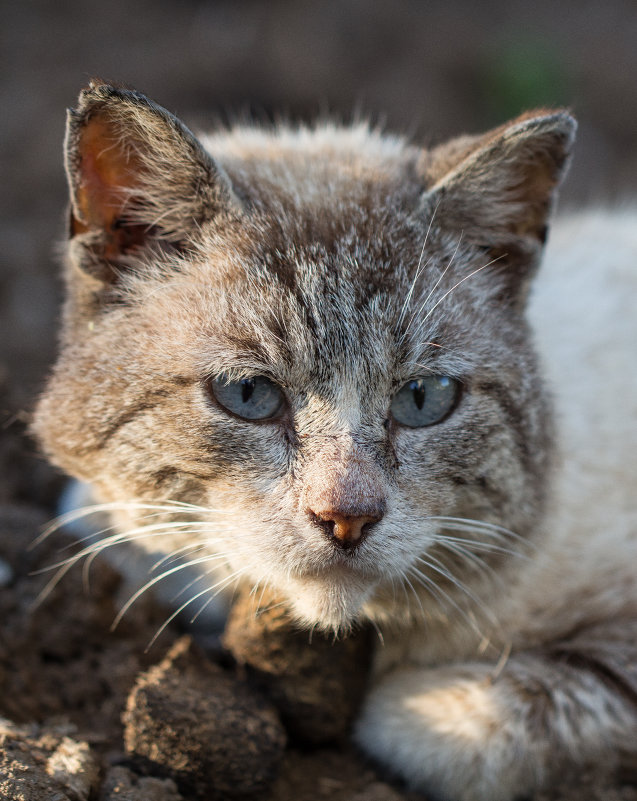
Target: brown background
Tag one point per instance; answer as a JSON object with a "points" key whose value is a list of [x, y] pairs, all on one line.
{"points": [[430, 69]]}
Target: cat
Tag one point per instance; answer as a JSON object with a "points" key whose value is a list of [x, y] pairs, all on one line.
{"points": [[319, 360]]}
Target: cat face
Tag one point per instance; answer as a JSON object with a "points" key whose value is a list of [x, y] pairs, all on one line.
{"points": [[316, 341]]}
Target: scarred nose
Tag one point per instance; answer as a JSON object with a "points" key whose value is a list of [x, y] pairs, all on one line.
{"points": [[343, 492]]}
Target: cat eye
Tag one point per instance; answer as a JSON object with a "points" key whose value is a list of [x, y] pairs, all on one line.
{"points": [[255, 398], [425, 401]]}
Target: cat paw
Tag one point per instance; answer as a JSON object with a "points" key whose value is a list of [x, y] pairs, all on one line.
{"points": [[456, 734]]}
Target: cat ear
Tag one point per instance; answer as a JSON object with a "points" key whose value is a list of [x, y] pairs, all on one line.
{"points": [[498, 189], [137, 177]]}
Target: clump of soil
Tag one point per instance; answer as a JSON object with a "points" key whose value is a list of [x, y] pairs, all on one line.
{"points": [[191, 720], [316, 685], [45, 763]]}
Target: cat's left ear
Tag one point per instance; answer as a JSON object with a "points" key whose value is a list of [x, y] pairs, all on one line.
{"points": [[498, 189], [137, 177]]}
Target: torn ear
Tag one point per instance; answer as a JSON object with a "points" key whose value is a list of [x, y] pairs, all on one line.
{"points": [[137, 176], [499, 188]]}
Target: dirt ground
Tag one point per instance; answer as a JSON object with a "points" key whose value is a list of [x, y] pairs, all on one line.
{"points": [[88, 713]]}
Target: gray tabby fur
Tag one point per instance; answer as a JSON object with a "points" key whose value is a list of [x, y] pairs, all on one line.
{"points": [[341, 263]]}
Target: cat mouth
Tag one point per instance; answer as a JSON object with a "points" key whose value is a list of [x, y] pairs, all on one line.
{"points": [[342, 566], [331, 601]]}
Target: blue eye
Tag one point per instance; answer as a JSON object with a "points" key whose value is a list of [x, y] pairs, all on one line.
{"points": [[255, 398], [425, 401]]}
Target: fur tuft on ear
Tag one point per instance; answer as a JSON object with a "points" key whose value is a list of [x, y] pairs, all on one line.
{"points": [[499, 188], [136, 175]]}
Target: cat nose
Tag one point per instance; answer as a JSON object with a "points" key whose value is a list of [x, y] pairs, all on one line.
{"points": [[344, 530]]}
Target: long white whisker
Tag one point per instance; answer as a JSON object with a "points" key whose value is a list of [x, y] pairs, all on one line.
{"points": [[469, 557], [440, 277], [417, 597], [481, 527], [438, 567], [100, 547], [456, 285], [140, 533], [191, 583], [86, 511], [419, 269], [173, 555], [478, 545], [379, 633], [190, 563], [439, 595], [220, 585], [435, 589]]}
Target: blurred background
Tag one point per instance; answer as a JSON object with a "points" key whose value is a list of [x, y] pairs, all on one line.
{"points": [[429, 69]]}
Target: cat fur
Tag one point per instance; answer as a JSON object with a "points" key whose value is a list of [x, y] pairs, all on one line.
{"points": [[341, 262]]}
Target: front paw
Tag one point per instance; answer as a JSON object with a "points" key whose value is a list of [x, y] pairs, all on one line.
{"points": [[456, 734]]}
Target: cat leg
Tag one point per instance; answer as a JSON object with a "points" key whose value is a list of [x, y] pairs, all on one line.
{"points": [[476, 733]]}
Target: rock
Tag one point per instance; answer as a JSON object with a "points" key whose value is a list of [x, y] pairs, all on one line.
{"points": [[187, 719], [44, 765], [316, 682]]}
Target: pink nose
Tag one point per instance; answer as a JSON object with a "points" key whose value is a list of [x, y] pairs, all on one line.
{"points": [[345, 531]]}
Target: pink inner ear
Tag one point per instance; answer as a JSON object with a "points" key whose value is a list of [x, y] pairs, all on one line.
{"points": [[108, 171]]}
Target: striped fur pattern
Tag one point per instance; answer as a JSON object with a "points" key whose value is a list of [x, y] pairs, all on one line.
{"points": [[341, 263]]}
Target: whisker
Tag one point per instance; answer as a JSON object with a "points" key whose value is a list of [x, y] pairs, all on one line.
{"points": [[90, 552], [440, 277], [437, 593], [470, 558], [379, 633], [418, 272], [73, 516], [191, 583], [178, 552], [456, 285], [420, 345], [438, 567], [133, 535], [484, 529], [417, 597], [99, 547], [479, 545], [220, 584], [156, 579], [264, 585], [417, 312], [264, 609], [436, 590]]}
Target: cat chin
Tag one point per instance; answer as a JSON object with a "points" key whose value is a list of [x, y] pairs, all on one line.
{"points": [[327, 605]]}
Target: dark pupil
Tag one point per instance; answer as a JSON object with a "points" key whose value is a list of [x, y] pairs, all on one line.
{"points": [[247, 388], [419, 394]]}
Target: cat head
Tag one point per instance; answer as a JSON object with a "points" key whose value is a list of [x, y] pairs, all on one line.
{"points": [[314, 336]]}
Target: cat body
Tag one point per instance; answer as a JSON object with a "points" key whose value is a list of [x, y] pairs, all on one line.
{"points": [[305, 359]]}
